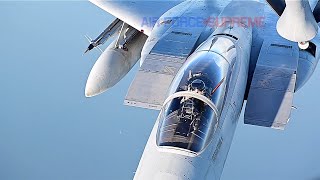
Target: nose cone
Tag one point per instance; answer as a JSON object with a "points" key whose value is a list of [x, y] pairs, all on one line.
{"points": [[106, 72]]}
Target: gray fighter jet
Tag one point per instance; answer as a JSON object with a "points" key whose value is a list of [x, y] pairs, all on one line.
{"points": [[200, 60]]}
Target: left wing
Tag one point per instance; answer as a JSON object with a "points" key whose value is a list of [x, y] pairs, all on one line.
{"points": [[139, 14]]}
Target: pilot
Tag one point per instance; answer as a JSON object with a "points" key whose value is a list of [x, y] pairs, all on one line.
{"points": [[198, 85]]}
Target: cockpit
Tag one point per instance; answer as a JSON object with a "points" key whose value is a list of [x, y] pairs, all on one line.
{"points": [[191, 113]]}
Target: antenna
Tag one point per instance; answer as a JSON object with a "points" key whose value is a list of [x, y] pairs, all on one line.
{"points": [[99, 49], [88, 38]]}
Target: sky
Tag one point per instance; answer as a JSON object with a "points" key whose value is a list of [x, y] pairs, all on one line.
{"points": [[50, 131]]}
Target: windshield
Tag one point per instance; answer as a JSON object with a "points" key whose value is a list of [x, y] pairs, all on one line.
{"points": [[190, 116]]}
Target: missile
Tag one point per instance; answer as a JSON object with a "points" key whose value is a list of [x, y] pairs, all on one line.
{"points": [[110, 31], [113, 64]]}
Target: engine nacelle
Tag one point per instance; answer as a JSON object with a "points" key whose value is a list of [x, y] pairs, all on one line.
{"points": [[308, 60], [113, 64]]}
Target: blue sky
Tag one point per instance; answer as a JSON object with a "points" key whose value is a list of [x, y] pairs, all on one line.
{"points": [[49, 130]]}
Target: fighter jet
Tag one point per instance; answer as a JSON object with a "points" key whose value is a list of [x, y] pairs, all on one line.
{"points": [[200, 60]]}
